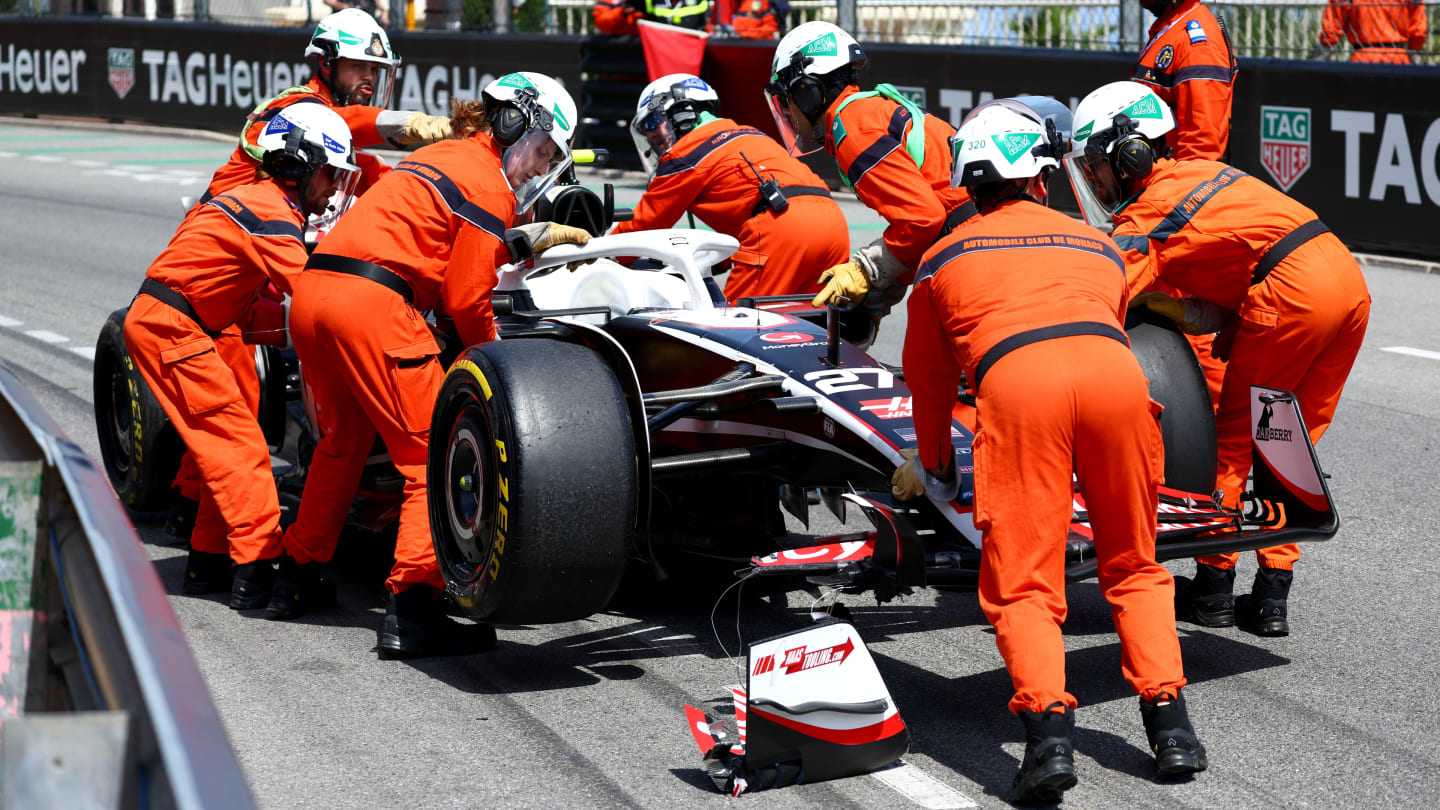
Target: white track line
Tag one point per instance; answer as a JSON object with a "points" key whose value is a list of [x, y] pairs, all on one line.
{"points": [[87, 352], [922, 788], [10, 322], [88, 163], [47, 336], [45, 158], [1425, 353]]}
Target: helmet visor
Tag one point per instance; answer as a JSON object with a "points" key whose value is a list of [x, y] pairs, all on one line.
{"points": [[532, 166], [653, 135], [1096, 188], [385, 85], [796, 143]]}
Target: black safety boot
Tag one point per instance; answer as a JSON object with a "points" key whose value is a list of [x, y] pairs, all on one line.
{"points": [[298, 590], [416, 625], [1206, 600], [1172, 739], [181, 520], [1263, 611], [206, 573], [1048, 769], [253, 581]]}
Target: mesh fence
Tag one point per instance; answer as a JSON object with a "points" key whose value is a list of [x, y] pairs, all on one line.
{"points": [[1396, 31]]}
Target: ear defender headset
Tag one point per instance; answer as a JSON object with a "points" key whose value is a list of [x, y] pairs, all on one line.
{"points": [[1133, 156], [299, 159], [512, 119]]}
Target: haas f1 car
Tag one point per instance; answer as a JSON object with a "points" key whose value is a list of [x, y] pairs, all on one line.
{"points": [[630, 413]]}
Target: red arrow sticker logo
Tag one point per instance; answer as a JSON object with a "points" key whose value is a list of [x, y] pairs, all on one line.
{"points": [[801, 659]]}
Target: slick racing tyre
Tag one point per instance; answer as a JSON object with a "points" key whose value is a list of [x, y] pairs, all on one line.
{"points": [[1176, 381], [138, 446], [531, 481], [273, 370]]}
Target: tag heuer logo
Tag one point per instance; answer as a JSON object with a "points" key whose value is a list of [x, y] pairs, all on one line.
{"points": [[824, 46], [1015, 144], [1285, 143], [915, 94], [122, 70]]}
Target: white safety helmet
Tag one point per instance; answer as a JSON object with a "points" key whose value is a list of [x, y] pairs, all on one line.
{"points": [[1119, 133], [303, 139], [812, 65], [353, 34], [668, 109], [1010, 139], [533, 119]]}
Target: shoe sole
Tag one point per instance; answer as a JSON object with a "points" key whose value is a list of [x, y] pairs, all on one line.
{"points": [[1218, 618], [1047, 784], [282, 609], [1180, 763], [255, 602], [200, 588], [1274, 628]]}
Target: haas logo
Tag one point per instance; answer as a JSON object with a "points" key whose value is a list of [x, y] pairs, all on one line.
{"points": [[1265, 433]]}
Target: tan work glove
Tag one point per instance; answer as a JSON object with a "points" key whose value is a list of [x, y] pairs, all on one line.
{"points": [[907, 482], [842, 281], [544, 235], [1193, 315], [422, 128], [410, 128]]}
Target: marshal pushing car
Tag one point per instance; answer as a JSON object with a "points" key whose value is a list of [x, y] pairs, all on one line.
{"points": [[631, 413]]}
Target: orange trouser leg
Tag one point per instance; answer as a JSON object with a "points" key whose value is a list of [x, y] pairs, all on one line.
{"points": [[1213, 367], [210, 530], [204, 402], [375, 358], [1119, 460], [1319, 308], [1042, 408], [1022, 456]]}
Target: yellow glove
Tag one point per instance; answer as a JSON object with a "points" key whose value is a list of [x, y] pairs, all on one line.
{"points": [[1161, 304], [422, 128], [906, 483], [843, 280], [557, 234]]}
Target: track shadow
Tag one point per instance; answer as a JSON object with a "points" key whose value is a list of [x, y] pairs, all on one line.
{"points": [[961, 723]]}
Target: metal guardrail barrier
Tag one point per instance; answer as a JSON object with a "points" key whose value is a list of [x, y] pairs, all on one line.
{"points": [[1286, 29], [124, 717]]}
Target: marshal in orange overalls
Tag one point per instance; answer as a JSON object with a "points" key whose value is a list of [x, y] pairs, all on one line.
{"points": [[1301, 301], [780, 254], [432, 228], [224, 252], [1029, 304], [1188, 63], [867, 139], [1379, 30], [240, 170]]}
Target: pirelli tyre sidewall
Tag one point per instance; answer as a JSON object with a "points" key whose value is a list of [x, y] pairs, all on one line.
{"points": [[1178, 383], [531, 481], [138, 446]]}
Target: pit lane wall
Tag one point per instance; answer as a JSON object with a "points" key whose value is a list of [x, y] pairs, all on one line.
{"points": [[101, 701], [1358, 143]]}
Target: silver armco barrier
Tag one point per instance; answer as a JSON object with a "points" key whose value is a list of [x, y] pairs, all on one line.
{"points": [[101, 702]]}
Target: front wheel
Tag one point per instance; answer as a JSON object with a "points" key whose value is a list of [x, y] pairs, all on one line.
{"points": [[1178, 383], [532, 481]]}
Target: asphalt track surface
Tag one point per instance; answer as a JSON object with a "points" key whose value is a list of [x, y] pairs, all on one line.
{"points": [[1340, 714]]}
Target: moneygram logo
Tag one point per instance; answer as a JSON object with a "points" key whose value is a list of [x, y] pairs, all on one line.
{"points": [[1285, 143]]}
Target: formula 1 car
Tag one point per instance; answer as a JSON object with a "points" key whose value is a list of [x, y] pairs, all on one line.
{"points": [[632, 414]]}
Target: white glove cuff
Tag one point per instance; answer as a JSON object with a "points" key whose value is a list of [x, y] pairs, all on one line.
{"points": [[881, 267], [935, 488]]}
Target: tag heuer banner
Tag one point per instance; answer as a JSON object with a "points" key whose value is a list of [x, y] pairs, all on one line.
{"points": [[1360, 144]]}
